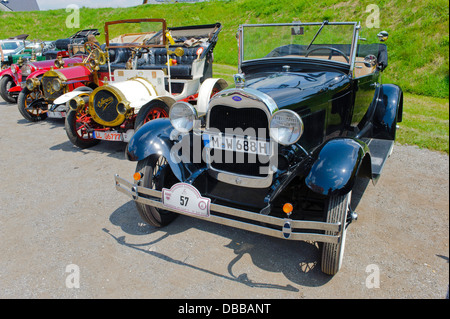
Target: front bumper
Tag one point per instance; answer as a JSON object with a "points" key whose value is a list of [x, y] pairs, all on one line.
{"points": [[263, 224]]}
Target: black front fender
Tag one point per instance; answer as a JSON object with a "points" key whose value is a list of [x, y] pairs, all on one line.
{"points": [[153, 138], [336, 166]]}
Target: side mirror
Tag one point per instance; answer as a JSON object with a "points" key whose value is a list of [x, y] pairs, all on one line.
{"points": [[383, 36], [297, 30]]}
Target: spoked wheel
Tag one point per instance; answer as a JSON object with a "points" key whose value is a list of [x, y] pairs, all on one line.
{"points": [[332, 254], [151, 111], [77, 129], [156, 174], [35, 113], [5, 84]]}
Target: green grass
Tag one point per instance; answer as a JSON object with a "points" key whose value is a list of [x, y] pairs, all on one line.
{"points": [[425, 122], [418, 44]]}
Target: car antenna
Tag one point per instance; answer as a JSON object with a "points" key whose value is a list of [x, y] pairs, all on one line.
{"points": [[320, 29]]}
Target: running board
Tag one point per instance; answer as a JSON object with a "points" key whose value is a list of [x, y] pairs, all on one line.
{"points": [[380, 150]]}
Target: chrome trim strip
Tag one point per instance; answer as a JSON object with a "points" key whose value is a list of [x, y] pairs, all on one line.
{"points": [[354, 48], [133, 191]]}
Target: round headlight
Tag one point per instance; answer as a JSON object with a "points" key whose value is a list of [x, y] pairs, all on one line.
{"points": [[183, 116], [30, 85], [14, 68], [56, 84], [26, 70], [123, 107], [286, 127]]}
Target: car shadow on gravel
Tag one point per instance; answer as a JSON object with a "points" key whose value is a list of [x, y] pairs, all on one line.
{"points": [[298, 261], [112, 149], [52, 123]]}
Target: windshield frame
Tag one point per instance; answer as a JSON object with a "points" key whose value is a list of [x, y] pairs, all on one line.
{"points": [[353, 45]]}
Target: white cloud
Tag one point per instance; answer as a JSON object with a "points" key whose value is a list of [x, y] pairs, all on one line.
{"points": [[61, 4]]}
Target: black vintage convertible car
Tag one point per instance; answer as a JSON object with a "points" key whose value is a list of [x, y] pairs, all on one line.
{"points": [[280, 152]]}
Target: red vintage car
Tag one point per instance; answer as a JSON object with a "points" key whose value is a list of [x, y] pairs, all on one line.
{"points": [[12, 79], [44, 86]]}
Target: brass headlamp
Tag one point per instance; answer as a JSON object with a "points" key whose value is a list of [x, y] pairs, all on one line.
{"points": [[59, 62], [33, 83]]}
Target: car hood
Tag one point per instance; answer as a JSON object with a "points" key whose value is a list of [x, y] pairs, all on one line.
{"points": [[292, 88], [49, 63]]}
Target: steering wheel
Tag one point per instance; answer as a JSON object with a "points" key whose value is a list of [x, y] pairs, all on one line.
{"points": [[138, 51], [331, 52], [96, 55]]}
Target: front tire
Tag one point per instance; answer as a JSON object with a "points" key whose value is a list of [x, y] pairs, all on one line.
{"points": [[157, 175], [77, 130], [5, 84], [26, 97], [337, 209]]}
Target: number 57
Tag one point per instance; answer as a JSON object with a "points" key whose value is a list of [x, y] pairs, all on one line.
{"points": [[184, 200]]}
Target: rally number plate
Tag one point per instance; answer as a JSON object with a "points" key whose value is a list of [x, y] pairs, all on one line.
{"points": [[187, 199]]}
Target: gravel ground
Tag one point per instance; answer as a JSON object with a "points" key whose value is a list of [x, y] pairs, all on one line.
{"points": [[65, 232]]}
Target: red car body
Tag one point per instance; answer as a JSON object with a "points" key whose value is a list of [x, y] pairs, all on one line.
{"points": [[36, 98]]}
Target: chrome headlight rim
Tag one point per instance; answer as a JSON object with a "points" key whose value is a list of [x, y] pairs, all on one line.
{"points": [[295, 123], [26, 70], [183, 116]]}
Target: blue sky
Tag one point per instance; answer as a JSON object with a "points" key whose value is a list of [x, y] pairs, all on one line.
{"points": [[61, 4]]}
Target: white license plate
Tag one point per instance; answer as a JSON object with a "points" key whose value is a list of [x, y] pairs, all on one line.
{"points": [[187, 199], [56, 115], [108, 136], [238, 144]]}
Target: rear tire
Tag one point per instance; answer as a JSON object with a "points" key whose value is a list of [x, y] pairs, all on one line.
{"points": [[76, 130], [157, 175], [333, 254], [5, 84]]}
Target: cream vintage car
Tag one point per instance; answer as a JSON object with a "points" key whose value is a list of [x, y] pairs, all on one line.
{"points": [[146, 72]]}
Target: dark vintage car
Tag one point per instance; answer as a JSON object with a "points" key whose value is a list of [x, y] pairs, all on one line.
{"points": [[279, 153], [148, 70]]}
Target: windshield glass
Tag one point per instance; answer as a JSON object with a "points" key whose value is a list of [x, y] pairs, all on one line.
{"points": [[9, 45], [317, 41], [132, 34]]}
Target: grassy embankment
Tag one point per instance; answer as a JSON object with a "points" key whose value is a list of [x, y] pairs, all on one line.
{"points": [[418, 44]]}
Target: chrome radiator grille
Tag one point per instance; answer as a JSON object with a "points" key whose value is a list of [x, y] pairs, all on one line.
{"points": [[252, 122]]}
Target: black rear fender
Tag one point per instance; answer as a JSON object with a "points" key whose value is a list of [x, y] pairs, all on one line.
{"points": [[388, 112]]}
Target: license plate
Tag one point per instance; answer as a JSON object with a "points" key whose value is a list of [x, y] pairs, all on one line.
{"points": [[187, 199], [56, 115], [108, 136], [238, 144]]}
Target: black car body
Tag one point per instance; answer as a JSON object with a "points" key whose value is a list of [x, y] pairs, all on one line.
{"points": [[279, 153]]}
